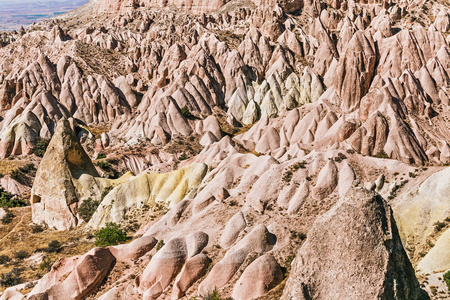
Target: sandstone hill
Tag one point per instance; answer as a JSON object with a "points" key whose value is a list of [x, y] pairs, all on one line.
{"points": [[249, 149]]}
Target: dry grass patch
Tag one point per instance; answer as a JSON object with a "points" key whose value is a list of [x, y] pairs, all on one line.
{"points": [[7, 166], [18, 236]]}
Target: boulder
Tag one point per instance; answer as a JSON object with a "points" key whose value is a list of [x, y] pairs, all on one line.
{"points": [[354, 251]]}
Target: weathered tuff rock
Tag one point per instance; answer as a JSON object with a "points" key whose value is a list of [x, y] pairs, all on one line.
{"points": [[433, 196], [169, 261], [354, 251], [54, 198], [195, 6], [74, 278], [149, 189], [258, 278]]}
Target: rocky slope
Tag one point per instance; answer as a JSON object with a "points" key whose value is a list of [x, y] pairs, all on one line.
{"points": [[231, 137]]}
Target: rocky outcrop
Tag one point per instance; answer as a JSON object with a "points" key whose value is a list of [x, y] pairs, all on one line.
{"points": [[354, 251], [418, 228], [169, 261], [55, 196], [259, 240], [258, 278], [74, 278], [148, 189]]}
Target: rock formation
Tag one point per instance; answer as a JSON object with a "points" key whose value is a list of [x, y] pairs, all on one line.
{"points": [[55, 198], [335, 260]]}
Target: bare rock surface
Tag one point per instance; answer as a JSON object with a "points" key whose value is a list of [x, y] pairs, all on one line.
{"points": [[54, 198], [361, 220]]}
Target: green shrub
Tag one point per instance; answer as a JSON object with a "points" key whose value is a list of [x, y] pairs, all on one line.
{"points": [[215, 296], [7, 200], [40, 147], [446, 278], [18, 176], [381, 154], [110, 235], [46, 264], [340, 157], [160, 245], [101, 155], [53, 246], [438, 226], [288, 262], [88, 208], [4, 259], [36, 228], [8, 217], [11, 278], [106, 191], [103, 165], [27, 168], [21, 254], [183, 156], [185, 112]]}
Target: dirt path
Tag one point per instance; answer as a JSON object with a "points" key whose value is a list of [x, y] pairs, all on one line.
{"points": [[15, 227]]}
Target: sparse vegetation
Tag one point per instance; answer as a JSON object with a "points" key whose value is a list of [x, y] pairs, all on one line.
{"points": [[88, 208], [288, 262], [101, 155], [159, 245], [297, 235], [40, 147], [438, 226], [36, 228], [7, 200], [46, 264], [106, 191], [446, 278], [396, 188], [18, 176], [8, 217], [21, 254], [11, 278], [340, 157], [110, 235], [53, 247], [287, 175], [4, 259], [382, 154], [183, 156], [103, 165], [215, 296], [185, 112], [27, 168]]}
